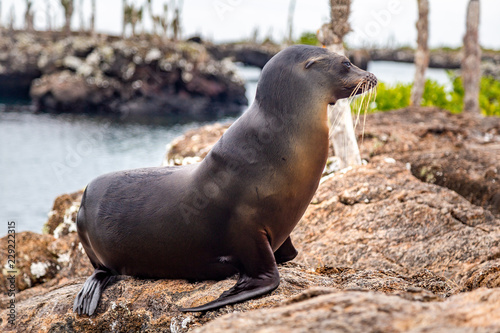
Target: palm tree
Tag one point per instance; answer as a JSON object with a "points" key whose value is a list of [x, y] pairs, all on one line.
{"points": [[163, 21], [471, 62], [176, 24], [12, 17], [92, 18], [82, 18], [154, 18], [1, 27], [342, 135], [132, 16], [48, 13], [291, 10], [176, 20], [422, 55], [29, 16], [124, 21], [68, 7]]}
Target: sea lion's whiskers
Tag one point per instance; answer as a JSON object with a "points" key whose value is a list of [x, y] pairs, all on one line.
{"points": [[336, 121], [373, 97], [351, 98], [370, 94], [355, 91], [363, 90]]}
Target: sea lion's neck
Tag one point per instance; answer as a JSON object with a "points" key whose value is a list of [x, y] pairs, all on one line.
{"points": [[280, 138], [305, 121], [296, 133]]}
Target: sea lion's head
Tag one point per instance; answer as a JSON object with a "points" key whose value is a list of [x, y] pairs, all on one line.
{"points": [[308, 72]]}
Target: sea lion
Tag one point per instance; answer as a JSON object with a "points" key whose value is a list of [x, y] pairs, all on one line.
{"points": [[234, 211]]}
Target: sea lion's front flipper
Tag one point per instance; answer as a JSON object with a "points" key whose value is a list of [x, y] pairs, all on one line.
{"points": [[285, 252], [259, 275]]}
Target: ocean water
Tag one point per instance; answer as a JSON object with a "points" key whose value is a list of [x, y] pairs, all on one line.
{"points": [[394, 72], [43, 156]]}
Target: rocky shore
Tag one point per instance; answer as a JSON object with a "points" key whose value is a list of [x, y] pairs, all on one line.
{"points": [[108, 75], [258, 55], [137, 78], [447, 59], [410, 241]]}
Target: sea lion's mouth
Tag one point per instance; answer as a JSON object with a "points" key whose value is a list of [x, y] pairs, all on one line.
{"points": [[365, 84]]}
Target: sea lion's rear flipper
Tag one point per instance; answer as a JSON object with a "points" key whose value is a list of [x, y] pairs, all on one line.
{"points": [[259, 275], [87, 299], [285, 252]]}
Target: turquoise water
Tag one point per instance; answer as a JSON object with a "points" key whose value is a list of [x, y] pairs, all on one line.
{"points": [[43, 156]]}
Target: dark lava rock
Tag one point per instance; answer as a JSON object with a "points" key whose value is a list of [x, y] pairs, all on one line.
{"points": [[130, 78], [18, 64], [250, 54], [136, 79]]}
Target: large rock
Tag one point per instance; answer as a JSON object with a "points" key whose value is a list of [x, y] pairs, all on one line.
{"points": [[34, 261], [379, 250], [152, 305], [62, 217], [44, 259], [130, 78], [459, 152], [194, 145], [52, 257], [134, 79], [355, 311], [250, 54], [381, 217], [18, 64], [373, 228]]}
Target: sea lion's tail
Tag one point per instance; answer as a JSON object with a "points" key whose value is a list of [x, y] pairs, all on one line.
{"points": [[87, 299]]}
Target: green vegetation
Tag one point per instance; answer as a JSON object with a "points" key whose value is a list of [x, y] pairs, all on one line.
{"points": [[446, 49], [489, 98], [398, 96], [308, 38], [391, 97]]}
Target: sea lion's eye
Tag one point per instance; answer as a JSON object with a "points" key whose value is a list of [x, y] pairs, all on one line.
{"points": [[347, 64]]}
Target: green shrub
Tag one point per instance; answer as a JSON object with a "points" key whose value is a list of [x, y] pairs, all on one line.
{"points": [[489, 98], [435, 95], [308, 38], [392, 97], [398, 96]]}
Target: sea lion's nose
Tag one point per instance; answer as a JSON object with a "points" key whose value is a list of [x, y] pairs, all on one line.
{"points": [[371, 80]]}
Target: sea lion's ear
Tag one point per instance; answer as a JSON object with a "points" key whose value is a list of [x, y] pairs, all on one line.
{"points": [[312, 61], [309, 63]]}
